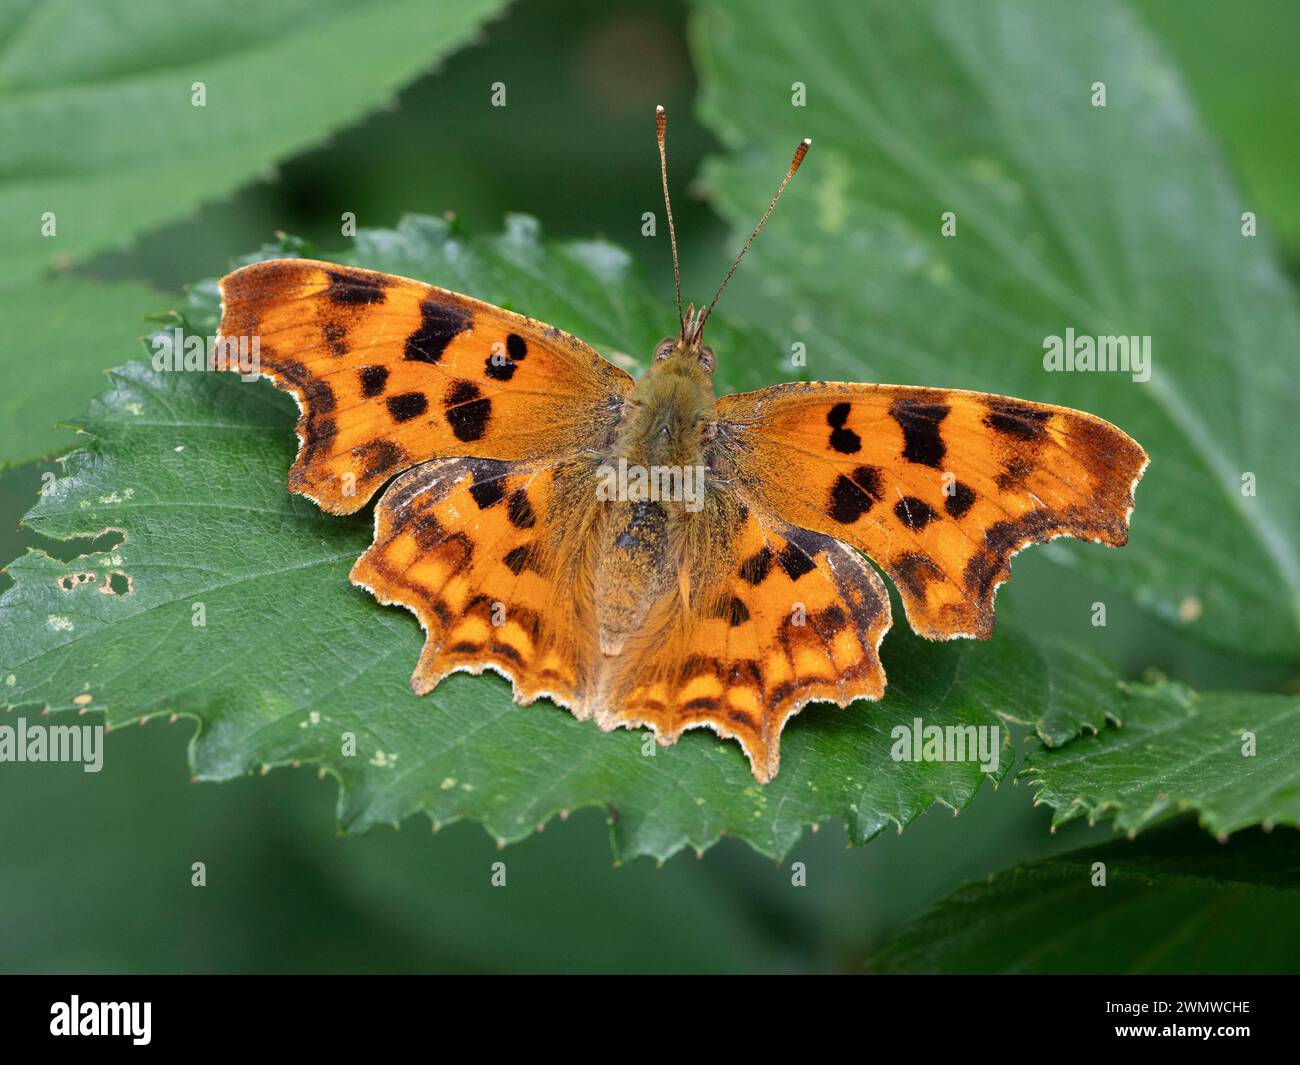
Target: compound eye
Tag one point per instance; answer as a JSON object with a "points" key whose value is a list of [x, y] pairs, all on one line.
{"points": [[664, 349], [707, 359]]}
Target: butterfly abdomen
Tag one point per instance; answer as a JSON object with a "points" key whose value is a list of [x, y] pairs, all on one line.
{"points": [[655, 481], [633, 570]]}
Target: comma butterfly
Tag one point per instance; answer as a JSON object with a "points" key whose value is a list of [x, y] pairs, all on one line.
{"points": [[638, 550]]}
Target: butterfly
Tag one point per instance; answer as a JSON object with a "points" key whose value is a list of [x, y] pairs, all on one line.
{"points": [[641, 551]]}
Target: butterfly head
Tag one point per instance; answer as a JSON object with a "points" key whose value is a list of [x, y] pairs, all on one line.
{"points": [[686, 352]]}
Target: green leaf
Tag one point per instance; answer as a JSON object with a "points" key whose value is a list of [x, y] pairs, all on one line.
{"points": [[1090, 701], [1253, 107], [52, 354], [190, 467], [1173, 902], [1116, 220], [97, 118], [1232, 757]]}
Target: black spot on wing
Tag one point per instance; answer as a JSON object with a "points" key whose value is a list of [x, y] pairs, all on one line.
{"points": [[795, 559], [499, 368], [1015, 473], [373, 379], [843, 440], [809, 544], [754, 570], [853, 496], [915, 513], [355, 289], [521, 511], [734, 611], [919, 420], [1017, 419], [336, 337], [959, 501], [466, 411], [407, 405], [826, 623], [440, 324], [489, 486], [521, 558]]}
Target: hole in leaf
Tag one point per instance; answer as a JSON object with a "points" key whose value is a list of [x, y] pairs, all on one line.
{"points": [[117, 583], [75, 548]]}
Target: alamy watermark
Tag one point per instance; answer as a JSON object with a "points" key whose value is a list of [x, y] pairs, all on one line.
{"points": [[27, 742], [678, 484], [919, 742], [175, 350], [79, 1018], [1098, 354]]}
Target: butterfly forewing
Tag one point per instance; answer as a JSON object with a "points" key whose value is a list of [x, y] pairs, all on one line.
{"points": [[390, 372], [940, 487]]}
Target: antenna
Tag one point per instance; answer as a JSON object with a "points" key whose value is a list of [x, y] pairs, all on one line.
{"points": [[799, 153], [661, 124]]}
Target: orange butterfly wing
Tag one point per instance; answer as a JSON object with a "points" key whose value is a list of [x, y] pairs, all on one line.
{"points": [[940, 487], [484, 553], [778, 617], [390, 372], [495, 559]]}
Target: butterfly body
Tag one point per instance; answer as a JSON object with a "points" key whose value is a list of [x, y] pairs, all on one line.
{"points": [[655, 481], [670, 408]]}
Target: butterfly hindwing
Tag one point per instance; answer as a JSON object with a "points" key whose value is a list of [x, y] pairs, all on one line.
{"points": [[390, 372], [476, 549], [495, 559], [778, 616], [940, 487]]}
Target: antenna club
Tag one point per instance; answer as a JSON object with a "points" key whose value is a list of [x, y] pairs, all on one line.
{"points": [[799, 153]]}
